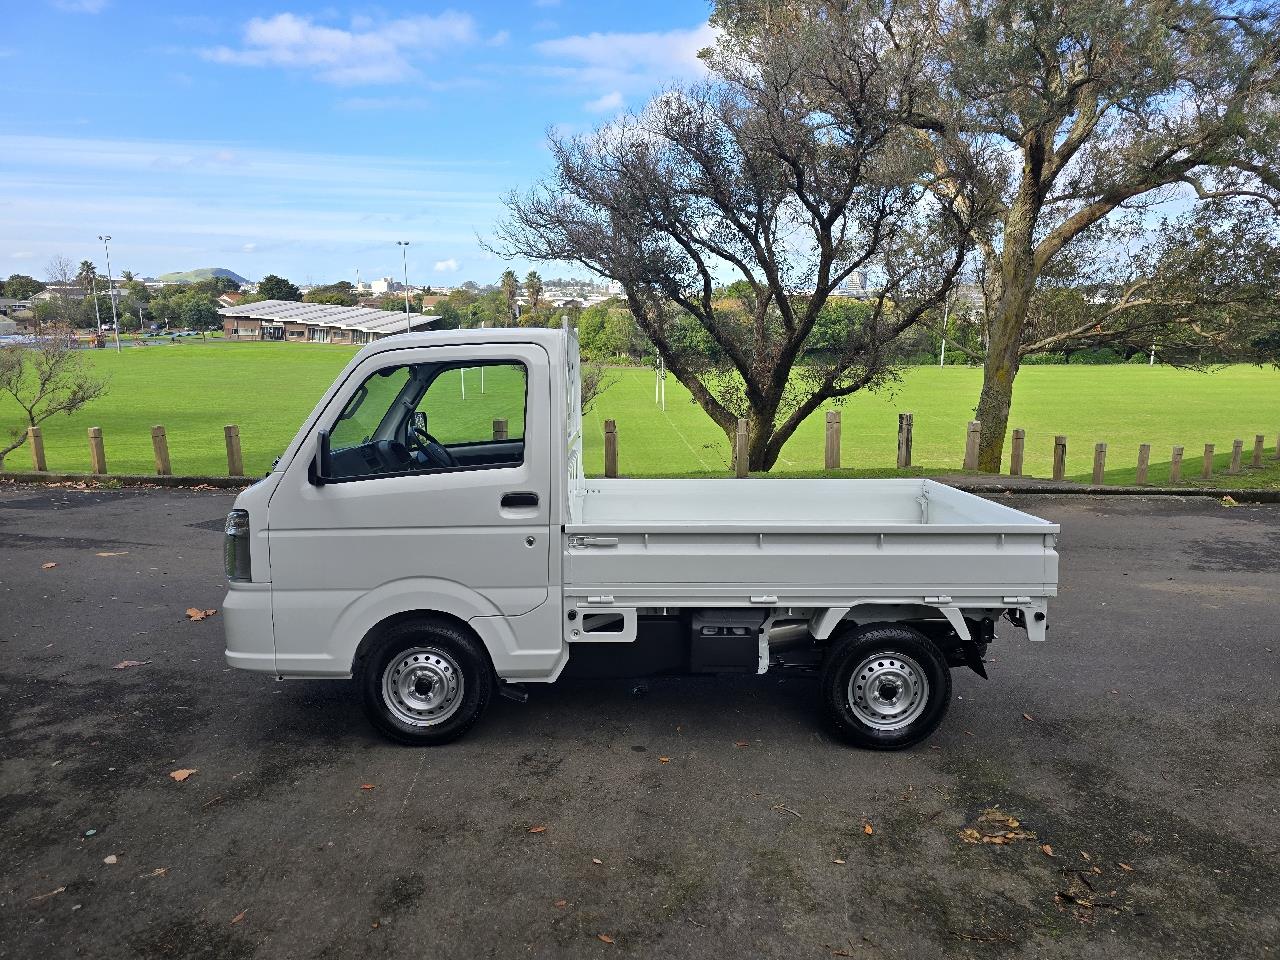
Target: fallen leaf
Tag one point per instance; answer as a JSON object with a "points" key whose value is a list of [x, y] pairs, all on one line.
{"points": [[837, 861], [970, 835], [742, 743], [664, 759], [126, 664], [597, 861], [366, 786], [1085, 855], [538, 829], [181, 775], [111, 858], [157, 872], [47, 566], [1029, 718], [195, 614], [46, 896], [1046, 849], [1126, 868], [1230, 501], [604, 938], [866, 828], [239, 916], [561, 904], [1000, 817], [119, 553]]}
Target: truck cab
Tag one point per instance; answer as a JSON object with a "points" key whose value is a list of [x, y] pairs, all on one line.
{"points": [[431, 532]]}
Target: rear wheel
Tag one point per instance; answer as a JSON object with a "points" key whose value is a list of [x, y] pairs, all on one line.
{"points": [[885, 687], [425, 682]]}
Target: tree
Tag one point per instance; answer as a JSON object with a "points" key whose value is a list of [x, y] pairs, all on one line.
{"points": [[60, 272], [19, 286], [1102, 106], [45, 378], [752, 177], [511, 293], [533, 289], [342, 293], [199, 311], [86, 276], [272, 287]]}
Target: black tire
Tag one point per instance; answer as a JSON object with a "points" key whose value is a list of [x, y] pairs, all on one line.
{"points": [[895, 659], [406, 677]]}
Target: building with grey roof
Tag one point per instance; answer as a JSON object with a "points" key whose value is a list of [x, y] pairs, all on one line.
{"points": [[294, 322]]}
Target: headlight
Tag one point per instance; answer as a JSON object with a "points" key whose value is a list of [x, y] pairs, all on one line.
{"points": [[235, 551]]}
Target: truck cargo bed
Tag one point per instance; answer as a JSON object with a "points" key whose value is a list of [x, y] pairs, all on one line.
{"points": [[802, 542]]}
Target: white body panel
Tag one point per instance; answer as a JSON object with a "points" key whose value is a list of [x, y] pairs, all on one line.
{"points": [[333, 561]]}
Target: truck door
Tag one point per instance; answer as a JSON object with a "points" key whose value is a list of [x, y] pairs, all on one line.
{"points": [[425, 503]]}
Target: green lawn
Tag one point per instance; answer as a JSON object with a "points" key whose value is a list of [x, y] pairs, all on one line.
{"points": [[267, 389]]}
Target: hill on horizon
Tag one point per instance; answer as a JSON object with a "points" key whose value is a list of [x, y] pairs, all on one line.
{"points": [[203, 273]]}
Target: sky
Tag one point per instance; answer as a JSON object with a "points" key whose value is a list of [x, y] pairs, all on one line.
{"points": [[305, 140]]}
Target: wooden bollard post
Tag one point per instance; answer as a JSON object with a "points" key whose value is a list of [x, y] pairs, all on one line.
{"points": [[741, 455], [1059, 457], [1016, 452], [1276, 456], [160, 445], [97, 452], [906, 424], [1207, 471], [831, 445], [235, 462], [973, 435], [1099, 463], [500, 429], [1175, 466], [36, 439], [1144, 461], [1237, 450], [610, 448], [1258, 442]]}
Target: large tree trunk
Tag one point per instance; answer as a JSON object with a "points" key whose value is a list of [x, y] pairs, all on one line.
{"points": [[1007, 320]]}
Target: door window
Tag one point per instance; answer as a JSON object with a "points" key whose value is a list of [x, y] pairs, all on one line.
{"points": [[428, 418]]}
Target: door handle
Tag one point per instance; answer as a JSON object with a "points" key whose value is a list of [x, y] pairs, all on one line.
{"points": [[598, 541], [522, 498]]}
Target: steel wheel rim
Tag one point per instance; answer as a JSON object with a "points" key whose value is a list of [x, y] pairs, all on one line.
{"points": [[422, 686], [888, 691]]}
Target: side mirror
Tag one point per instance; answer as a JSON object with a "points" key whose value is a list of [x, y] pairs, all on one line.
{"points": [[321, 467]]}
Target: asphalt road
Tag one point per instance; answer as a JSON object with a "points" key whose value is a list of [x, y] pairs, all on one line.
{"points": [[1140, 744]]}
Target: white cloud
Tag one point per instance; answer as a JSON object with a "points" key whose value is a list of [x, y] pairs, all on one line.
{"points": [[628, 61], [447, 266], [499, 39], [22, 255], [249, 247], [610, 101], [369, 53], [80, 6]]}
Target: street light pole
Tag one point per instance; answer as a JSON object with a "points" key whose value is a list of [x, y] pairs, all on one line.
{"points": [[404, 258], [93, 286], [111, 288]]}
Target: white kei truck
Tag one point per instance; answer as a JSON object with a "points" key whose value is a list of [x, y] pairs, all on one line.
{"points": [[407, 540]]}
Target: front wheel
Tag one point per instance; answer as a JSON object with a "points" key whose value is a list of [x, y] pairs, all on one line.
{"points": [[885, 687], [425, 682]]}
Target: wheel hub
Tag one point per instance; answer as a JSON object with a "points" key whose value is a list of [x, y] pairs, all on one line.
{"points": [[422, 686], [887, 691]]}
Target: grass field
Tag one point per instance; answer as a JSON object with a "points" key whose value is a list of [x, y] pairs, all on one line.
{"points": [[267, 389]]}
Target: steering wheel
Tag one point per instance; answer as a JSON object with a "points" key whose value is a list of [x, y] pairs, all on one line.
{"points": [[434, 450]]}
